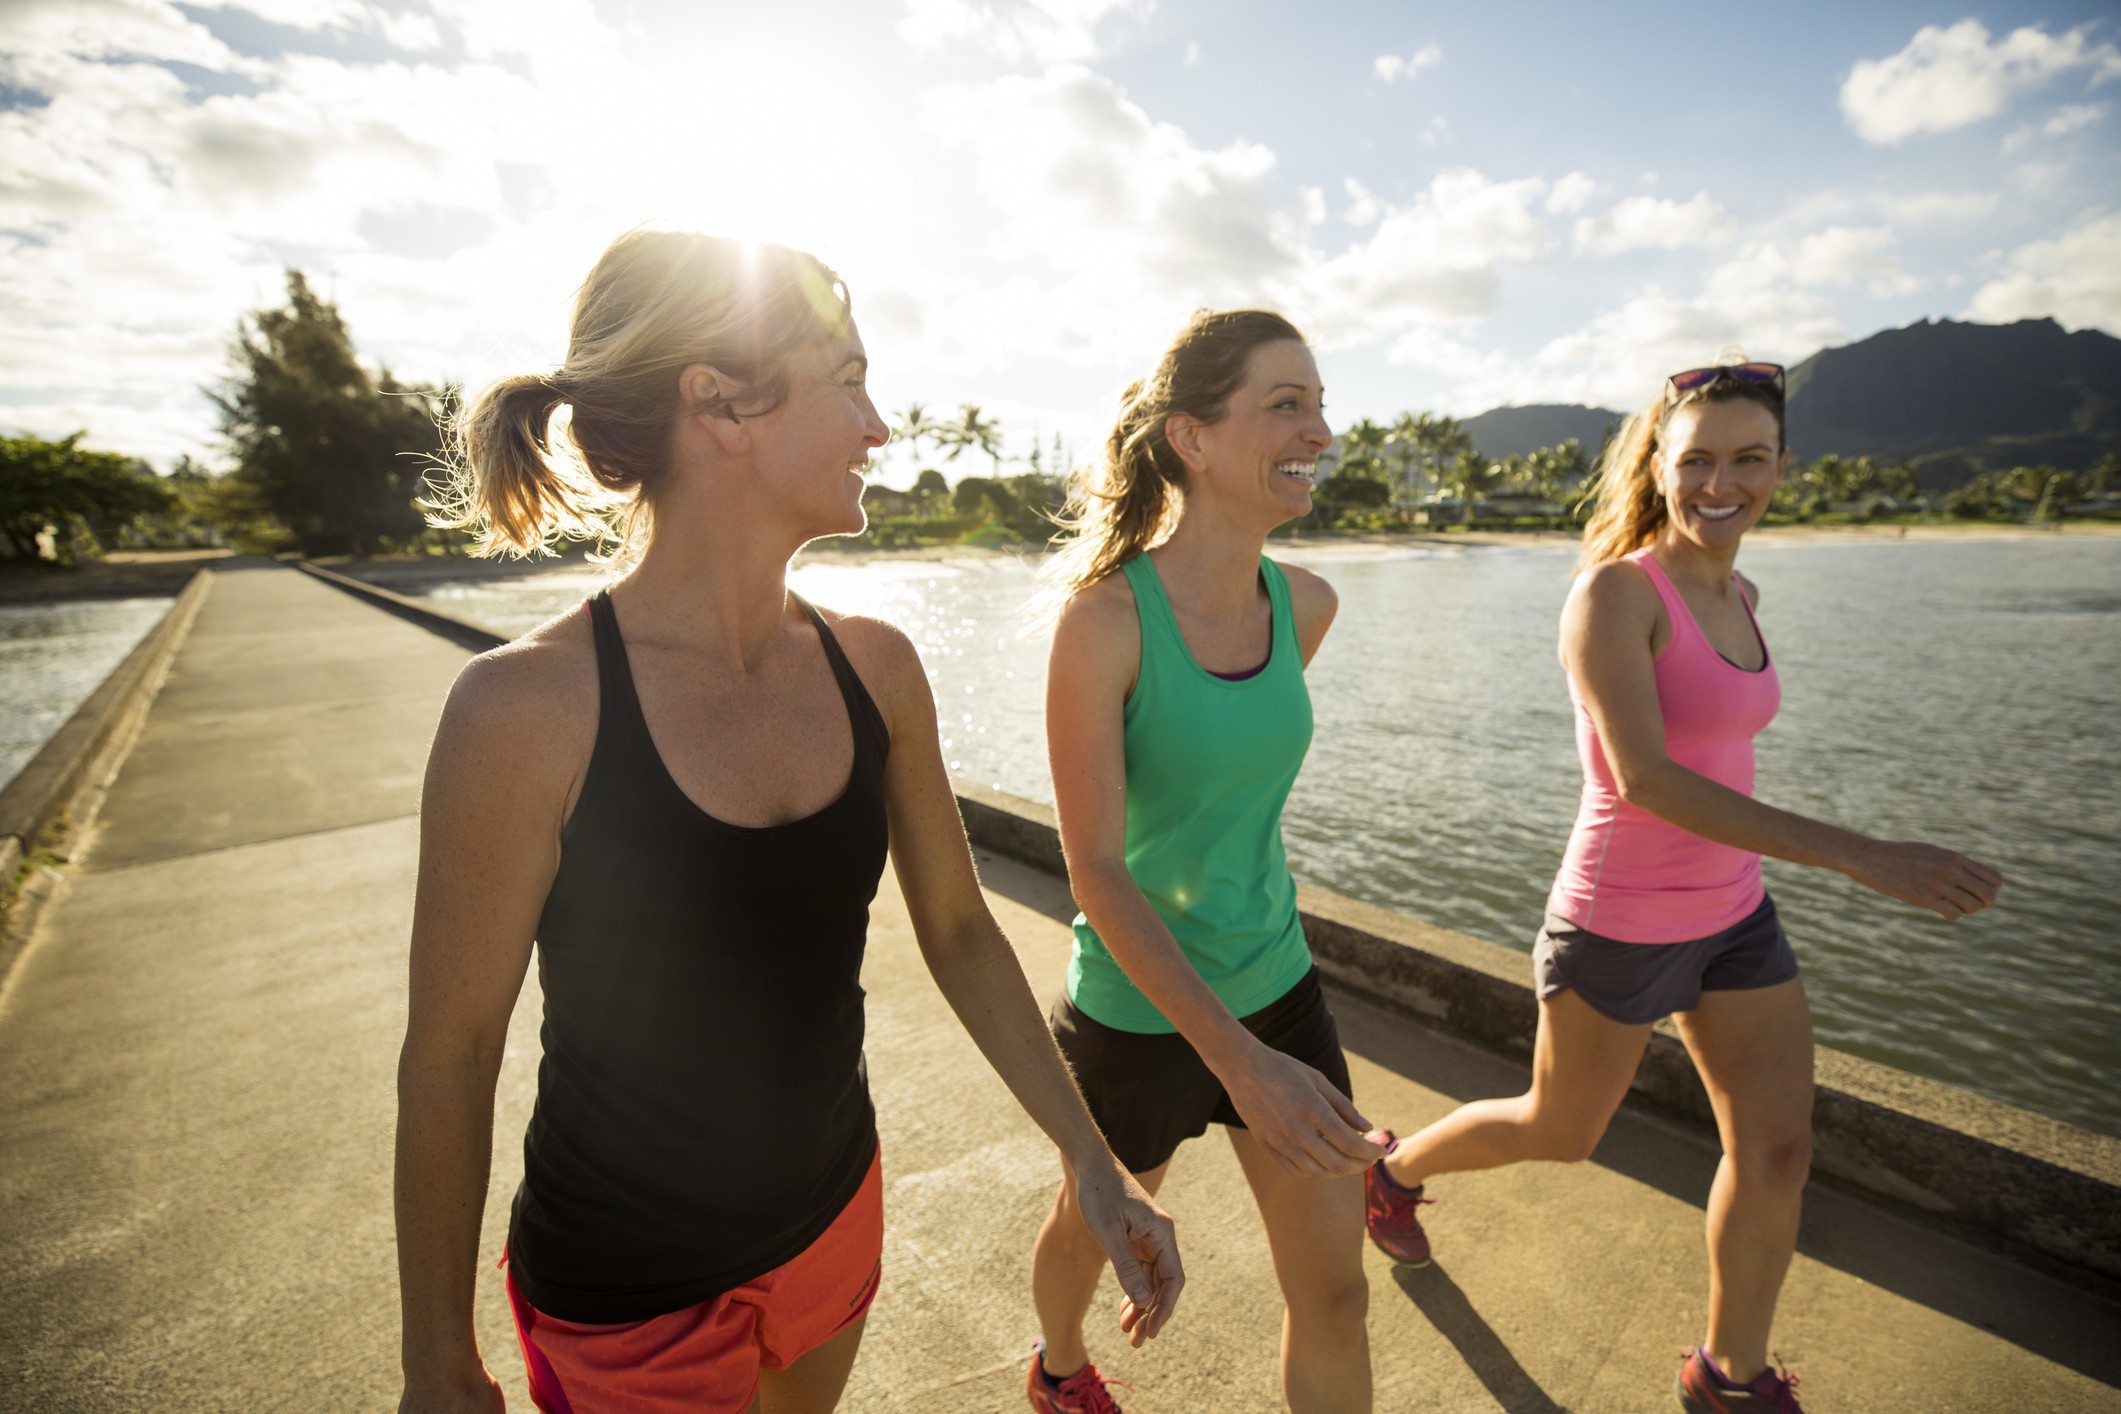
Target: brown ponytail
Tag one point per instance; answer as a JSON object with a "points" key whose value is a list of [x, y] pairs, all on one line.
{"points": [[579, 454], [1130, 501]]}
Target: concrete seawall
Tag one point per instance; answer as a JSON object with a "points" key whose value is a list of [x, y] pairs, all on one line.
{"points": [[82, 754], [2035, 1189]]}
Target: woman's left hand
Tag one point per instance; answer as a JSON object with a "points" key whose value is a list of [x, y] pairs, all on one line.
{"points": [[1139, 1238]]}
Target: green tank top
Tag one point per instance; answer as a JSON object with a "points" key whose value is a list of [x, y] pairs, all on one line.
{"points": [[1209, 764]]}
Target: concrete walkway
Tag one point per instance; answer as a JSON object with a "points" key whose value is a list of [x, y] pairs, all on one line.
{"points": [[197, 1054]]}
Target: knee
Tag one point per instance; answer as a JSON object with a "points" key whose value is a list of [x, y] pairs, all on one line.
{"points": [[1566, 1139], [1781, 1163], [1342, 1303]]}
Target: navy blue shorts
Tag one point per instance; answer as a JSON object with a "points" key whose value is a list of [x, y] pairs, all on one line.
{"points": [[1634, 983]]}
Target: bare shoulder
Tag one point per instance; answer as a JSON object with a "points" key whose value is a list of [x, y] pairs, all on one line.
{"points": [[1610, 606], [1097, 638], [533, 700], [1750, 590], [1098, 619], [1614, 587], [1307, 586], [881, 655], [1313, 604]]}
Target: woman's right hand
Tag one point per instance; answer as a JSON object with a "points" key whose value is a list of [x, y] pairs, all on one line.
{"points": [[1298, 1116], [1943, 881], [480, 1396]]}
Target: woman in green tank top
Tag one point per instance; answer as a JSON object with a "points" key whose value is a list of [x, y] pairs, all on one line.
{"points": [[1177, 718]]}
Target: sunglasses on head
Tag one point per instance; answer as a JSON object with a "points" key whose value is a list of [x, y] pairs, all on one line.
{"points": [[1768, 373]]}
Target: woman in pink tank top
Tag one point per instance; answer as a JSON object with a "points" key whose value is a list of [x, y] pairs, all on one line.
{"points": [[1659, 908]]}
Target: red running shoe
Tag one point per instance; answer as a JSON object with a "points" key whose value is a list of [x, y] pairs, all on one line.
{"points": [[1081, 1393], [1392, 1214], [1702, 1389]]}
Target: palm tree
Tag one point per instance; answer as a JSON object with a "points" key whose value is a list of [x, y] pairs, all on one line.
{"points": [[1405, 449], [914, 424], [1468, 476], [1443, 441], [1365, 438], [972, 430]]}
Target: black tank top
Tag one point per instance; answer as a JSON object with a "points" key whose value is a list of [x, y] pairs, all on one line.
{"points": [[703, 1105]]}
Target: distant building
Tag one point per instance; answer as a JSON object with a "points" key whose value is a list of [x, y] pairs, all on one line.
{"points": [[883, 501]]}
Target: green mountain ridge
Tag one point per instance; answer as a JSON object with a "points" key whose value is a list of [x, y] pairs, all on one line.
{"points": [[1953, 399]]}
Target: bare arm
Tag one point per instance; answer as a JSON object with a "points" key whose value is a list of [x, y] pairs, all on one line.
{"points": [[1607, 630], [1289, 1107], [489, 843], [978, 973]]}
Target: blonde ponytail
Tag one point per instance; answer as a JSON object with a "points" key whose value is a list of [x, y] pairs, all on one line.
{"points": [[581, 453]]}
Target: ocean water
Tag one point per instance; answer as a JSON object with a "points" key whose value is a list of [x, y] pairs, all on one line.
{"points": [[52, 656], [1966, 692]]}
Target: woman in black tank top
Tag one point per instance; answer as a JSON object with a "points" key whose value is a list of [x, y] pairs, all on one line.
{"points": [[682, 797]]}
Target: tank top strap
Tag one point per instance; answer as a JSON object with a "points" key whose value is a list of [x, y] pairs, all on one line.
{"points": [[868, 721], [1675, 609], [619, 707], [1151, 605], [1282, 648]]}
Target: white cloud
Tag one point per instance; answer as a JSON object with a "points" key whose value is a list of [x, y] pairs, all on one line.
{"points": [[1038, 31], [1924, 208], [1653, 223], [1191, 59], [1439, 127], [1571, 194], [1393, 67], [2072, 118], [1363, 206], [1620, 357], [2074, 277], [1436, 259], [1948, 77]]}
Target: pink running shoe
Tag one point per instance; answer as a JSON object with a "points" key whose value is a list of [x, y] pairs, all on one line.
{"points": [[1081, 1393], [1702, 1389], [1392, 1214]]}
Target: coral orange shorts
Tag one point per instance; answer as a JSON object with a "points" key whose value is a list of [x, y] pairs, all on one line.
{"points": [[706, 1359]]}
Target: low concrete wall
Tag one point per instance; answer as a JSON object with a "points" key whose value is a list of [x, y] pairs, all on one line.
{"points": [[82, 752], [2035, 1188], [44, 787], [2004, 1178], [476, 637]]}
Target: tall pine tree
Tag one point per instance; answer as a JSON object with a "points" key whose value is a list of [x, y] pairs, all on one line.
{"points": [[335, 453]]}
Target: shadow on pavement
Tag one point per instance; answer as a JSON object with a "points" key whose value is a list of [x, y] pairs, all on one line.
{"points": [[1912, 1261], [1484, 1353]]}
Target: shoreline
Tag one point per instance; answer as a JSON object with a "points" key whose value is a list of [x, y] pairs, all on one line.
{"points": [[162, 573]]}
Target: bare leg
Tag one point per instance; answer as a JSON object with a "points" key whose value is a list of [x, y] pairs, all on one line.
{"points": [[813, 1384], [1067, 1266], [1754, 1052], [1314, 1230], [1582, 1063]]}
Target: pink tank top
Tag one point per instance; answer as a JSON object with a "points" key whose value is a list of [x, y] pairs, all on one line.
{"points": [[1631, 876]]}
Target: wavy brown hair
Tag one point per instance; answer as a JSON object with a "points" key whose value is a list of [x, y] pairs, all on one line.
{"points": [[1130, 499], [1626, 504], [579, 453]]}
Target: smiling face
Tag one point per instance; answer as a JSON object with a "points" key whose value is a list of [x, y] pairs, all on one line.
{"points": [[1718, 465], [813, 448], [1262, 453]]}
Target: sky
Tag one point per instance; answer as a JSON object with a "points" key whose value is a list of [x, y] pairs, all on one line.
{"points": [[1462, 206]]}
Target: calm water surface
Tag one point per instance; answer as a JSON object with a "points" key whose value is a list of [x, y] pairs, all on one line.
{"points": [[1965, 692], [52, 656]]}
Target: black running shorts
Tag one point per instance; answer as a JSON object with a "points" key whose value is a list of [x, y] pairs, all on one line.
{"points": [[1150, 1093]]}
